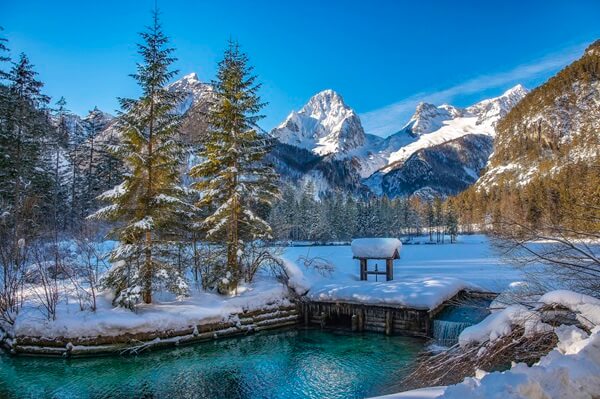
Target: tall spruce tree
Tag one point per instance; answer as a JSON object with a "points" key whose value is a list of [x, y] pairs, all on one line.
{"points": [[23, 180], [58, 156], [233, 176], [90, 158], [146, 203]]}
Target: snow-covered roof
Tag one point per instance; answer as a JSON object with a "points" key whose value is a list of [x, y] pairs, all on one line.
{"points": [[376, 247]]}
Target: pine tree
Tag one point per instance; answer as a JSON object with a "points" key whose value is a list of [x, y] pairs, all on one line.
{"points": [[438, 217], [147, 201], [59, 145], [90, 153], [429, 218], [23, 180], [233, 175], [451, 221]]}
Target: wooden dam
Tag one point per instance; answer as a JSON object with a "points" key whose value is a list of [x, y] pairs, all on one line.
{"points": [[387, 319]]}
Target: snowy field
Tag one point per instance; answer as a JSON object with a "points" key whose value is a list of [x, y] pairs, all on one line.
{"points": [[424, 276]]}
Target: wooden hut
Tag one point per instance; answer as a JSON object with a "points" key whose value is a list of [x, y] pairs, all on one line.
{"points": [[366, 249]]}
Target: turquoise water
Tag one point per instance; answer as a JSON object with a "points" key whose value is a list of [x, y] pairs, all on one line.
{"points": [[285, 364]]}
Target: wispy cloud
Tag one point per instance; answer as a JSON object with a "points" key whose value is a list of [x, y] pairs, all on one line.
{"points": [[389, 119]]}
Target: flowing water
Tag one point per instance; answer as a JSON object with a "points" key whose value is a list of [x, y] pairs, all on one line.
{"points": [[446, 333], [284, 364], [455, 318]]}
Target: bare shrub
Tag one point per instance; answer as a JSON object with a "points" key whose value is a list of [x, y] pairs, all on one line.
{"points": [[13, 259], [84, 273], [44, 271], [208, 265], [553, 256], [455, 364], [257, 255], [323, 266]]}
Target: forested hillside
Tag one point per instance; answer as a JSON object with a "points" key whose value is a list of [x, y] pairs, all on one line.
{"points": [[545, 169]]}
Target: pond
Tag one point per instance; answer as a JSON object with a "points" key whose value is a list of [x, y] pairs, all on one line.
{"points": [[299, 363]]}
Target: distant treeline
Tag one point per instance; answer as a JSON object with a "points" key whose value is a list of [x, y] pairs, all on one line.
{"points": [[339, 217]]}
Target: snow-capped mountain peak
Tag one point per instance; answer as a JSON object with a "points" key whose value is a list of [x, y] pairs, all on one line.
{"points": [[437, 139], [325, 125], [428, 118], [98, 115], [191, 77], [195, 91], [493, 109], [325, 103]]}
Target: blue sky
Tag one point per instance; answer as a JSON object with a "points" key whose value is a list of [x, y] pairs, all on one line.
{"points": [[381, 56]]}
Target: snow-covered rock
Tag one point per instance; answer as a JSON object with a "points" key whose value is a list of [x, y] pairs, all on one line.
{"points": [[500, 324], [586, 307]]}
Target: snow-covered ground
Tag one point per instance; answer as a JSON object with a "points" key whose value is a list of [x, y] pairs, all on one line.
{"points": [[167, 312], [424, 276]]}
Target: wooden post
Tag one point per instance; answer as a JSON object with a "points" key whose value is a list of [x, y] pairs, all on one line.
{"points": [[388, 322], [363, 269], [389, 269], [361, 320], [306, 314], [354, 323]]}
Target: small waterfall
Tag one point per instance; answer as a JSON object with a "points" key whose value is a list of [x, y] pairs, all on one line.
{"points": [[446, 333]]}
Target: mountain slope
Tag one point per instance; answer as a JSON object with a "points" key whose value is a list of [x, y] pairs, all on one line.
{"points": [[443, 169], [331, 130], [545, 169], [457, 133], [556, 124], [450, 123]]}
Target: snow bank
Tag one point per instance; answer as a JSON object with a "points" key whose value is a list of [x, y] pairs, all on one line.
{"points": [[500, 324], [572, 370], [417, 293], [375, 247], [297, 280], [587, 307], [164, 314], [422, 393]]}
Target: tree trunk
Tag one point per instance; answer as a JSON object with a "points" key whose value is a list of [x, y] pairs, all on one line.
{"points": [[148, 272]]}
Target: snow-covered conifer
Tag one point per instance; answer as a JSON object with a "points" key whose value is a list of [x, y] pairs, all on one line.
{"points": [[23, 180], [232, 175], [147, 201]]}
